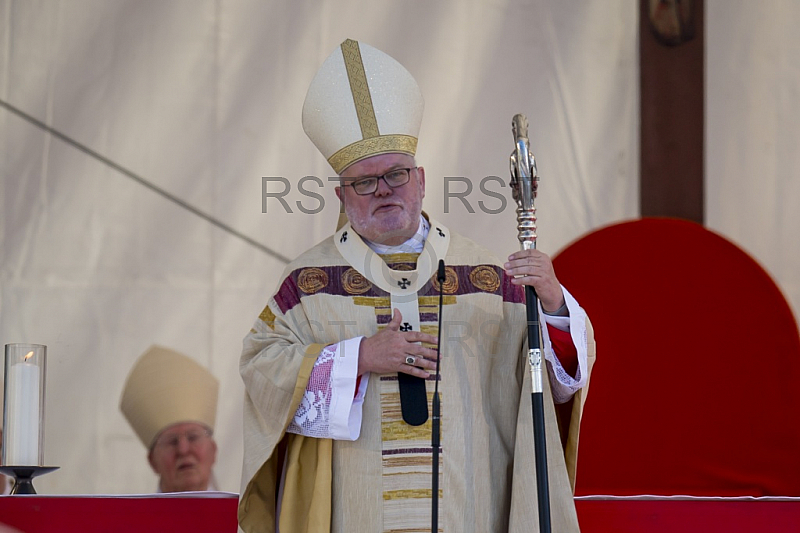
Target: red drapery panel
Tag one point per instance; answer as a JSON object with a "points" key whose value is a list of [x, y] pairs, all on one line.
{"points": [[695, 390]]}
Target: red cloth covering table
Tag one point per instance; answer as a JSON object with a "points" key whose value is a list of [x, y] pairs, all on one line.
{"points": [[193, 514], [186, 512], [685, 514]]}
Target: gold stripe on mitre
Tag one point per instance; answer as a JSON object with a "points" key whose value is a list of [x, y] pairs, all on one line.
{"points": [[383, 144], [359, 87]]}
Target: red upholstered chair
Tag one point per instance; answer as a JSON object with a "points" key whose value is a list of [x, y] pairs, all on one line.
{"points": [[696, 389]]}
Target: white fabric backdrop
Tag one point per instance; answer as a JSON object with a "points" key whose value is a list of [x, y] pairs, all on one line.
{"points": [[752, 132], [202, 99]]}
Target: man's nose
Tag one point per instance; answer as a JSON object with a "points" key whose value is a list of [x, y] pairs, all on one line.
{"points": [[183, 445], [383, 189]]}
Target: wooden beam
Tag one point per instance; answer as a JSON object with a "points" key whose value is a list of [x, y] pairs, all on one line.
{"points": [[671, 58]]}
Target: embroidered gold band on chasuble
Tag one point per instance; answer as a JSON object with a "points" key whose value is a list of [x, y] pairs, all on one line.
{"points": [[405, 449]]}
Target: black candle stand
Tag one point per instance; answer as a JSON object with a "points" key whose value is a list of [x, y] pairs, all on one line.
{"points": [[23, 476]]}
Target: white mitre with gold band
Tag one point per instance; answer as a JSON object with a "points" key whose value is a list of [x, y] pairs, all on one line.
{"points": [[166, 388], [362, 103]]}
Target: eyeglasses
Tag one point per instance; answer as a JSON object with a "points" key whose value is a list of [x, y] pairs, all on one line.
{"points": [[193, 437], [394, 178]]}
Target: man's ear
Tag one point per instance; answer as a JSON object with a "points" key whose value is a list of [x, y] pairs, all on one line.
{"points": [[150, 460], [338, 191], [421, 179]]}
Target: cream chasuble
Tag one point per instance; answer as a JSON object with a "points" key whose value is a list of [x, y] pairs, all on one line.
{"points": [[381, 482]]}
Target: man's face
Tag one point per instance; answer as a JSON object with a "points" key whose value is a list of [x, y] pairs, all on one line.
{"points": [[387, 216], [183, 455]]}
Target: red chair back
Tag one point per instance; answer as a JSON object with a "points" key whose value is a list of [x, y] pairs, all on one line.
{"points": [[696, 389]]}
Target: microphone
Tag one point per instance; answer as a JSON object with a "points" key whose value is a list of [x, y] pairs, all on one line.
{"points": [[440, 276]]}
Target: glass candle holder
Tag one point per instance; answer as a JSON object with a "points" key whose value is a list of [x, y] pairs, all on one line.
{"points": [[23, 410]]}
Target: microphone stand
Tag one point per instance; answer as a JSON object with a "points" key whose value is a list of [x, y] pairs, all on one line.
{"points": [[524, 181], [440, 276]]}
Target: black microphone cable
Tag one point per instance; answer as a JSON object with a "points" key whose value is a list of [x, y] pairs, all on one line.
{"points": [[440, 276]]}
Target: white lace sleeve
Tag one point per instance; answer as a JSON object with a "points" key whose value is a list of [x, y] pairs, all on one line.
{"points": [[331, 405], [562, 385]]}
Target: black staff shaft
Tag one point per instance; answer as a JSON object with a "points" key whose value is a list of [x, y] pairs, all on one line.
{"points": [[537, 406]]}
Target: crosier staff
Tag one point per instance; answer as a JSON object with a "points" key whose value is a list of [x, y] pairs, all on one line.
{"points": [[524, 182]]}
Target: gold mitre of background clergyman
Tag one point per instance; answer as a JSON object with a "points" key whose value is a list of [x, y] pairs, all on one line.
{"points": [[166, 388], [362, 103]]}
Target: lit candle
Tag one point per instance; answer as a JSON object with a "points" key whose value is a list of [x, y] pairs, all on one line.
{"points": [[22, 433]]}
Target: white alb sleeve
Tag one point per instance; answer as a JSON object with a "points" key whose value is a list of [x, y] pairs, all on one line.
{"points": [[331, 405], [562, 385]]}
